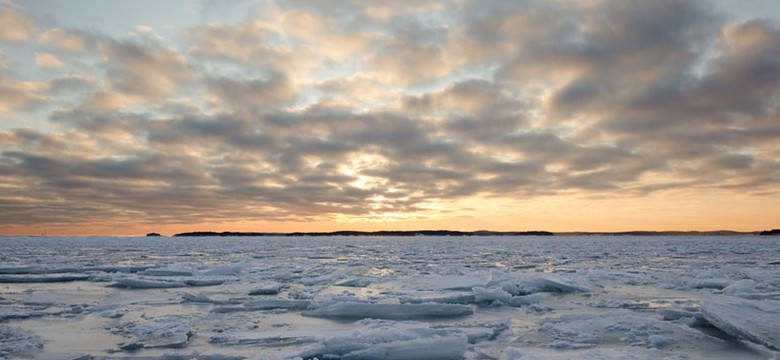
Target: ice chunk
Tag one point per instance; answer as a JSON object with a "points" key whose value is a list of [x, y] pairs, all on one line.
{"points": [[546, 283], [129, 283], [435, 348], [474, 332], [355, 310], [658, 341], [203, 282], [158, 334], [389, 341], [355, 282], [749, 289], [565, 345], [269, 304], [321, 279], [756, 321], [112, 313], [21, 312], [449, 282], [166, 272], [688, 317], [443, 298], [250, 339], [20, 270], [228, 270], [43, 278], [483, 295], [716, 283], [18, 343], [495, 293], [277, 304], [513, 353], [270, 288], [203, 298]]}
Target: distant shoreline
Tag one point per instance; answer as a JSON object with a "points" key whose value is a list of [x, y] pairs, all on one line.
{"points": [[475, 233], [372, 233]]}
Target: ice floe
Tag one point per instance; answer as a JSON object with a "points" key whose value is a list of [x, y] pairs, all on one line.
{"points": [[18, 343], [476, 298], [354, 310], [756, 321]]}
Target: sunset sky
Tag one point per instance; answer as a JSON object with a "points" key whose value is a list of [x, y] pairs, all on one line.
{"points": [[127, 117]]}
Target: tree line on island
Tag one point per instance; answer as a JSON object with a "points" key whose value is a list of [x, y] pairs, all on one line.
{"points": [[774, 232], [372, 233]]}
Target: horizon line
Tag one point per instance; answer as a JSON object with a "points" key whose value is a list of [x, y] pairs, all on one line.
{"points": [[426, 232]]}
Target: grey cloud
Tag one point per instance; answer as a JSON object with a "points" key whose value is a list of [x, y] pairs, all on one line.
{"points": [[149, 72], [412, 53], [71, 84], [575, 97], [243, 42], [734, 162], [273, 90], [100, 122], [13, 98]]}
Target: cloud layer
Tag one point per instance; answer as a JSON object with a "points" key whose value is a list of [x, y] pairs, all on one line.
{"points": [[320, 111]]}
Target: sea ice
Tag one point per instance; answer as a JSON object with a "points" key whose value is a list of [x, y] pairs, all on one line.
{"points": [[435, 348], [18, 343], [390, 298], [268, 288], [756, 321], [513, 353], [462, 298], [203, 282], [46, 278], [545, 283], [158, 334], [395, 343], [166, 272], [265, 304], [354, 310], [129, 283]]}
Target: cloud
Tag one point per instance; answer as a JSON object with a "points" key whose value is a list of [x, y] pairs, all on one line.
{"points": [[47, 61], [332, 110], [411, 54], [68, 40], [15, 26], [274, 90], [145, 71], [20, 95], [242, 42]]}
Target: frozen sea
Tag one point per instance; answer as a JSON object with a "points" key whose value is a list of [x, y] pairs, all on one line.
{"points": [[562, 297]]}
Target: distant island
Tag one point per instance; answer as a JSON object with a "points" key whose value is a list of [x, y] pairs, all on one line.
{"points": [[773, 232], [373, 233]]}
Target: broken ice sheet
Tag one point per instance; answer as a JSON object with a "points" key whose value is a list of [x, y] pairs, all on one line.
{"points": [[756, 321], [171, 332], [610, 302], [18, 343]]}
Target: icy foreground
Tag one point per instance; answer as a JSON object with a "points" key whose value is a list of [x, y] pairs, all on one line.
{"points": [[391, 298]]}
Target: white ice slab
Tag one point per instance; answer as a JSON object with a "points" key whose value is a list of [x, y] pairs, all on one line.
{"points": [[355, 310], [756, 321]]}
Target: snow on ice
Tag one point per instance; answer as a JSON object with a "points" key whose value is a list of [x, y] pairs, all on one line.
{"points": [[472, 298]]}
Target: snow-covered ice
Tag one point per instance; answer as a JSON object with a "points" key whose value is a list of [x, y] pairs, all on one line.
{"points": [[757, 321], [474, 298]]}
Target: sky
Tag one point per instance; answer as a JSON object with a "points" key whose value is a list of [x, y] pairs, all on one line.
{"points": [[128, 117]]}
